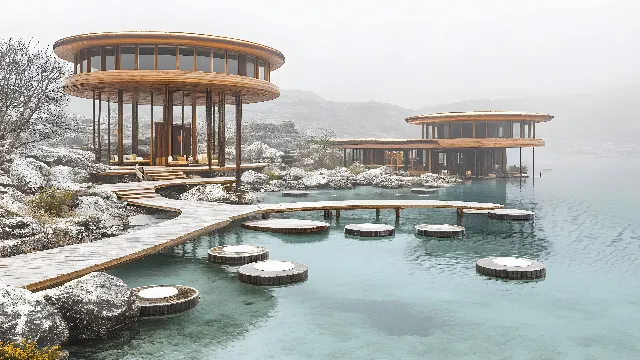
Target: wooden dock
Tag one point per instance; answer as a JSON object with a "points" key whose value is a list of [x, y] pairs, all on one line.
{"points": [[45, 269]]}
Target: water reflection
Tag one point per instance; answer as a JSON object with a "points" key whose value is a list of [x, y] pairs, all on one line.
{"points": [[228, 308]]}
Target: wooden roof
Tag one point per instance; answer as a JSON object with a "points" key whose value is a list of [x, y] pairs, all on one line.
{"points": [[414, 144], [482, 115], [66, 48]]}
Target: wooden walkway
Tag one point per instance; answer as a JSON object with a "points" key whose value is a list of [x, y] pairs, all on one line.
{"points": [[131, 169], [44, 269]]}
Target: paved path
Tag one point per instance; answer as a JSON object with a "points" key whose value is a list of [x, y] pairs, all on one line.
{"points": [[44, 269]]}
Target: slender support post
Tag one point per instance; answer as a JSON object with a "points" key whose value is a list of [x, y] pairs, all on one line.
{"points": [[151, 162], [93, 113], [429, 160], [169, 119], [238, 140], [208, 120], [344, 157], [120, 127], [377, 214], [182, 150], [475, 162], [337, 214], [99, 130], [460, 214], [265, 215], [194, 129], [222, 136], [533, 164], [134, 126], [397, 214], [109, 128], [520, 166]]}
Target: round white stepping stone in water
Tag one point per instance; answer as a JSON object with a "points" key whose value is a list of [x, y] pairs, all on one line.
{"points": [[443, 230], [165, 299], [423, 190], [511, 268], [286, 226], [273, 272], [511, 214], [237, 254], [511, 261], [274, 265], [369, 230], [160, 292]]}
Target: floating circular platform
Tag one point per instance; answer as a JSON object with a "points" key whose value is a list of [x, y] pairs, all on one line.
{"points": [[286, 226], [511, 214], [476, 211], [166, 299], [369, 230], [511, 268], [295, 193], [237, 254], [273, 272], [441, 231], [423, 190]]}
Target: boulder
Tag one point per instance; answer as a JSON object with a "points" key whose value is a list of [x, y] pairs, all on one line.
{"points": [[275, 185], [254, 180], [218, 193], [13, 200], [260, 152], [29, 175], [314, 181], [25, 315], [68, 178], [370, 176], [94, 305], [295, 174], [18, 227], [74, 158]]}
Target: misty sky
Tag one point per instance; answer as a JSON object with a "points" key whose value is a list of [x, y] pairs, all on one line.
{"points": [[409, 53]]}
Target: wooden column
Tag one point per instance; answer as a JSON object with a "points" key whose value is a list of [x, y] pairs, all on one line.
{"points": [[134, 126], [182, 149], [109, 128], [238, 140], [533, 164], [473, 129], [120, 127], [213, 127], [534, 129], [93, 114], [344, 157], [170, 121], [194, 129], [222, 137], [475, 162], [99, 132], [429, 160], [208, 120], [151, 161], [520, 164]]}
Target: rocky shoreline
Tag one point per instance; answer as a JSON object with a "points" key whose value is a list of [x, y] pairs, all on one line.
{"points": [[92, 214]]}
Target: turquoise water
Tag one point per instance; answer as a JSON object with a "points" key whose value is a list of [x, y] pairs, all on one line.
{"points": [[414, 298]]}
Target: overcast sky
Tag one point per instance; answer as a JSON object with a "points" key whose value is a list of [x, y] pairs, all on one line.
{"points": [[409, 53]]}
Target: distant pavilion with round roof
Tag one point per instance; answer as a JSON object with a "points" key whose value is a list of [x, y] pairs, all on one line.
{"points": [[170, 70], [462, 143]]}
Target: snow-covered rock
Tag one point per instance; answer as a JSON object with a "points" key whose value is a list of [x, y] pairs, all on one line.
{"points": [[74, 158], [370, 176], [254, 180], [275, 185], [13, 200], [29, 175], [94, 305], [68, 178], [294, 173], [217, 193], [314, 181], [18, 227], [261, 152], [25, 315]]}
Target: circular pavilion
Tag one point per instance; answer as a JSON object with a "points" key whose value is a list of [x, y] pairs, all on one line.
{"points": [[462, 143], [171, 70]]}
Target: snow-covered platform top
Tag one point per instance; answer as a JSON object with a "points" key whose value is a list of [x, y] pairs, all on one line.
{"points": [[44, 269]]}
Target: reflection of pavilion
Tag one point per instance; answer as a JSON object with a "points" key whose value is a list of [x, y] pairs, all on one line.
{"points": [[182, 73], [458, 142]]}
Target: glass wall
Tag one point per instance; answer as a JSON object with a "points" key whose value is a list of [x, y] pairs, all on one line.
{"points": [[146, 57], [261, 71], [203, 59], [167, 57], [219, 62], [481, 129], [232, 63], [96, 59], [492, 129], [251, 66], [455, 130], [127, 57], [109, 58], [467, 130], [186, 59]]}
